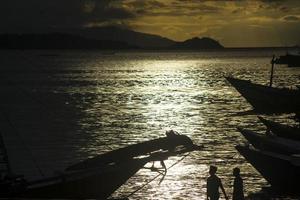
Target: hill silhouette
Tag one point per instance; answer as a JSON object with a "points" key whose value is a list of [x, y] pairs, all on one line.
{"points": [[197, 44], [143, 40], [101, 38], [57, 41]]}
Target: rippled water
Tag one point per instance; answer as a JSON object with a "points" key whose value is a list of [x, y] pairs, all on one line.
{"points": [[66, 106]]}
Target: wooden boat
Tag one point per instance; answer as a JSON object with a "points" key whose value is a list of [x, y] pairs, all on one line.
{"points": [[292, 60], [99, 180], [98, 183], [271, 142], [282, 130], [268, 100], [281, 171], [170, 142]]}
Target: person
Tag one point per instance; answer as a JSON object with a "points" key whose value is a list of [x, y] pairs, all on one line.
{"points": [[213, 185], [238, 189]]}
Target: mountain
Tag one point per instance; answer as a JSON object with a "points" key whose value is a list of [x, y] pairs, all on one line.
{"points": [[143, 40], [57, 41], [197, 44], [108, 37]]}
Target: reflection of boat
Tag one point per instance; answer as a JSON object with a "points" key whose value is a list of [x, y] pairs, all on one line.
{"points": [[99, 180], [268, 100], [281, 171], [282, 130], [292, 60], [271, 143]]}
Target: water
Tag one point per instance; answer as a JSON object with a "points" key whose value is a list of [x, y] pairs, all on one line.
{"points": [[66, 106]]}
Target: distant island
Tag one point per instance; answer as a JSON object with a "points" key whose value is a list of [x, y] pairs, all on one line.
{"points": [[197, 44], [102, 38]]}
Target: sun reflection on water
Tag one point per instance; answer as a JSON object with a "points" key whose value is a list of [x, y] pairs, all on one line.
{"points": [[127, 98]]}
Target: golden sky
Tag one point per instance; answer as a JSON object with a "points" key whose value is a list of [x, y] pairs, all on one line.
{"points": [[234, 23]]}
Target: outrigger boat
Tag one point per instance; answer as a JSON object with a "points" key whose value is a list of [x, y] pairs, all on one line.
{"points": [[281, 171], [271, 142], [282, 130], [100, 176], [266, 99]]}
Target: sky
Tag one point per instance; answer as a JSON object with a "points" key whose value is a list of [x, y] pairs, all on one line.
{"points": [[234, 23]]}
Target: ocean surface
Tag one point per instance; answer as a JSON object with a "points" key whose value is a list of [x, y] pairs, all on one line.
{"points": [[60, 107]]}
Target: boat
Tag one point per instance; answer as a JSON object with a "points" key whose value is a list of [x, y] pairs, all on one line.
{"points": [[99, 180], [292, 60], [281, 171], [266, 99], [282, 130], [98, 183], [169, 142], [271, 142]]}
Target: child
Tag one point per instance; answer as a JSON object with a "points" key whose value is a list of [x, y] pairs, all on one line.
{"points": [[238, 190], [213, 185]]}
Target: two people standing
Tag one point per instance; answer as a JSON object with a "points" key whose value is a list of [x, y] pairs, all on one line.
{"points": [[214, 183]]}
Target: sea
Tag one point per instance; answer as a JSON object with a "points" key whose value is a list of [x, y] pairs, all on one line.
{"points": [[61, 107]]}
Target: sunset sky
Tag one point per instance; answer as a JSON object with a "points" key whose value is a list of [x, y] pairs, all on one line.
{"points": [[234, 23]]}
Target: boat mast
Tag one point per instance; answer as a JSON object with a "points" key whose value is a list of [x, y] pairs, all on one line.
{"points": [[272, 71]]}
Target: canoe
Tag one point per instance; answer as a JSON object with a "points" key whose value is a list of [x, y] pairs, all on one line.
{"points": [[170, 142], [99, 180], [271, 142], [281, 171], [267, 100], [88, 184], [97, 183], [282, 130]]}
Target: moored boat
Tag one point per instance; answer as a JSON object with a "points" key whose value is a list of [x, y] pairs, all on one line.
{"points": [[98, 183], [281, 171], [100, 180], [282, 130], [292, 60], [271, 142], [170, 142], [266, 99]]}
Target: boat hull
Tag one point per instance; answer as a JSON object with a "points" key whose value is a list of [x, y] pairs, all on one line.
{"points": [[96, 184], [282, 130], [271, 143], [268, 100], [99, 177], [290, 60], [125, 153], [276, 169]]}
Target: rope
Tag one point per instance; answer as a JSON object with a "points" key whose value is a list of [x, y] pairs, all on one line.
{"points": [[151, 180]]}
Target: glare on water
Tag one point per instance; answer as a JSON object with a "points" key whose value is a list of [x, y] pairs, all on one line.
{"points": [[78, 104]]}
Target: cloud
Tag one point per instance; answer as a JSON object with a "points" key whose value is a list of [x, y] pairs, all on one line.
{"points": [[35, 15], [183, 18], [170, 8]]}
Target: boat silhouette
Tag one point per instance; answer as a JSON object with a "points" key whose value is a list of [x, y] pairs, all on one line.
{"points": [[100, 176], [266, 99]]}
